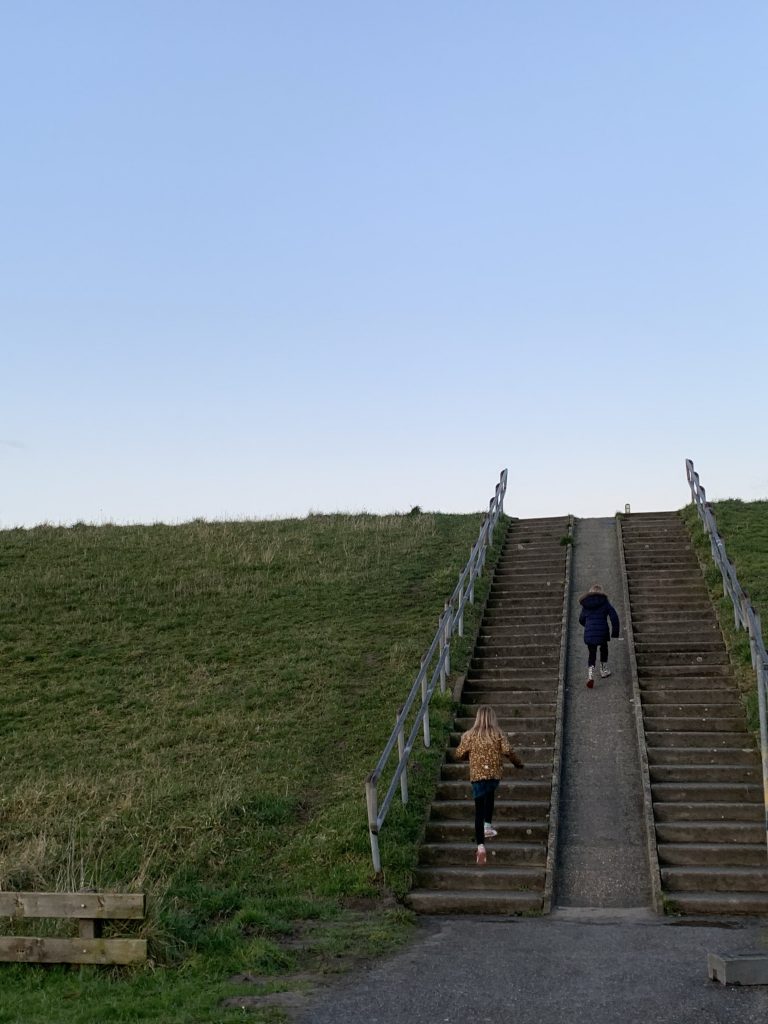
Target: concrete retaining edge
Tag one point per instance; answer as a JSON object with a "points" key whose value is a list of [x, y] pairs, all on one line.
{"points": [[645, 776], [557, 751]]}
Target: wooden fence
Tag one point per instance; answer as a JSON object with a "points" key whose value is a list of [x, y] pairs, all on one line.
{"points": [[91, 910]]}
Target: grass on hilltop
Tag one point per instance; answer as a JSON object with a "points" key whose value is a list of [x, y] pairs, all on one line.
{"points": [[190, 711], [743, 525]]}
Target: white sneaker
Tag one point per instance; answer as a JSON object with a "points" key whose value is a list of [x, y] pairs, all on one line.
{"points": [[604, 671], [490, 831]]}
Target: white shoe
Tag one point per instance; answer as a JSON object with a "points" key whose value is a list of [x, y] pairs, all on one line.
{"points": [[490, 832], [604, 671]]}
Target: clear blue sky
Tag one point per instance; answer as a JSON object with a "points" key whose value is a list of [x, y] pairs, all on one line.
{"points": [[258, 258]]}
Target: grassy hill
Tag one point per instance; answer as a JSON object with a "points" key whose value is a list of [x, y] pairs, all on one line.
{"points": [[190, 711], [743, 525]]}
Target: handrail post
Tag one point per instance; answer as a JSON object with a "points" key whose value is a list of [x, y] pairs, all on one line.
{"points": [[762, 688], [448, 632], [461, 611], [373, 829], [424, 701], [441, 630], [400, 752]]}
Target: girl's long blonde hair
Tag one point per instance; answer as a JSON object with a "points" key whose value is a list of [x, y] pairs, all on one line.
{"points": [[486, 723]]}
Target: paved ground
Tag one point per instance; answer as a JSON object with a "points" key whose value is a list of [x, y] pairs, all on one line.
{"points": [[574, 966], [602, 955]]}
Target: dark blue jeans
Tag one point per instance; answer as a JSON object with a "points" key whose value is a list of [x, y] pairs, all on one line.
{"points": [[483, 792], [592, 653]]}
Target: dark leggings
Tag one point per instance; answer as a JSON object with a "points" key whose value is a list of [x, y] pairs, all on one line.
{"points": [[484, 793], [592, 648]]}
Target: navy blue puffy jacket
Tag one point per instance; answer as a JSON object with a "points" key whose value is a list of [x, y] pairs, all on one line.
{"points": [[596, 610]]}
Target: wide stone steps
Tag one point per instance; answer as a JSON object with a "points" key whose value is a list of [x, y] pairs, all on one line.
{"points": [[514, 787], [707, 755], [718, 903], [705, 854], [461, 831], [679, 810], [457, 854], [705, 775], [510, 876], [685, 698], [457, 770], [737, 878], [710, 833], [466, 901], [687, 773], [515, 667]]}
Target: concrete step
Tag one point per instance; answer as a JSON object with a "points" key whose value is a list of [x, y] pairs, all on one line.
{"points": [[716, 685], [720, 879], [459, 771], [501, 662], [681, 650], [682, 698], [657, 629], [663, 570], [477, 902], [725, 904], [513, 679], [693, 723], [533, 604], [513, 725], [539, 587], [462, 830], [530, 755], [680, 618], [706, 674], [529, 647], [679, 811], [689, 738], [500, 853], [519, 739], [659, 607], [701, 792], [528, 878], [670, 660], [501, 699], [511, 714], [723, 833], [520, 678], [515, 635], [704, 755], [686, 773], [516, 717], [512, 786], [712, 854], [504, 810]]}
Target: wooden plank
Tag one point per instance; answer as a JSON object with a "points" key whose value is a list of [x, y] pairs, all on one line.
{"points": [[96, 905], [19, 949]]}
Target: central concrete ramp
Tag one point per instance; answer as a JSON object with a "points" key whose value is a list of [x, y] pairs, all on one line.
{"points": [[602, 859]]}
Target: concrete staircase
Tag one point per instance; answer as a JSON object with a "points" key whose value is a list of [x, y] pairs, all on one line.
{"points": [[516, 667], [705, 775]]}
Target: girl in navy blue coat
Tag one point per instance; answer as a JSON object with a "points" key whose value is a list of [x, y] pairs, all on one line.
{"points": [[596, 612]]}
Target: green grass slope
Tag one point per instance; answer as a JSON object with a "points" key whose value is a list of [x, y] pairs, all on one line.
{"points": [[190, 711], [743, 525]]}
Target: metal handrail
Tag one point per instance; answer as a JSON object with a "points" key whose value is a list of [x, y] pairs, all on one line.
{"points": [[744, 614], [451, 621]]}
